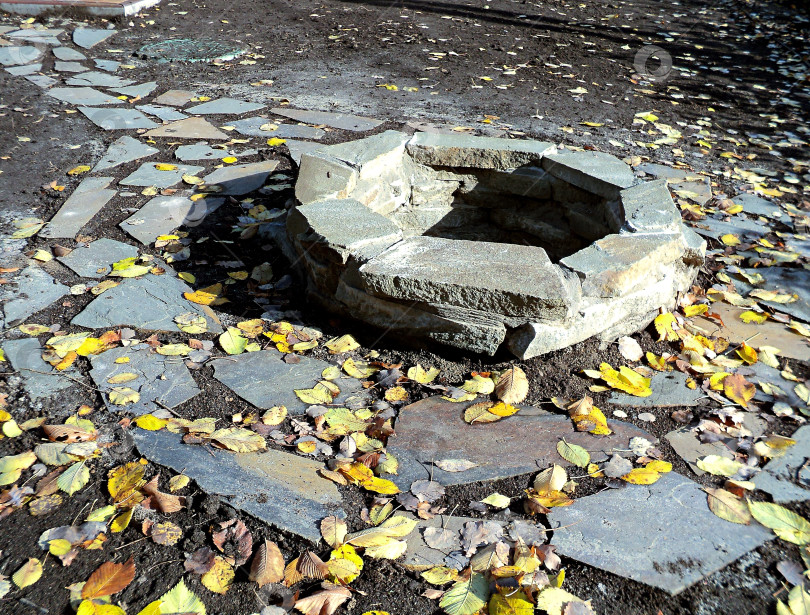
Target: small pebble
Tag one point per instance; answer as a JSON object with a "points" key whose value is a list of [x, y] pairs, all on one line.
{"points": [[620, 414], [646, 416]]}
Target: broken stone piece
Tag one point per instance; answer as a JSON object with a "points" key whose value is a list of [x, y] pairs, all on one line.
{"points": [[95, 259], [89, 197], [39, 378], [239, 179], [191, 128], [125, 149], [29, 291]]}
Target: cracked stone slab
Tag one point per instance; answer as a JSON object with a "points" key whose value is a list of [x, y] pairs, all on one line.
{"points": [[23, 70], [159, 378], [95, 259], [282, 489], [200, 151], [175, 98], [125, 149], [342, 121], [141, 90], [117, 119], [688, 446], [225, 106], [96, 78], [190, 128], [67, 54], [163, 214], [434, 429], [90, 37], [14, 55], [459, 150], [595, 172], [166, 114], [668, 390], [148, 175], [87, 200], [29, 291], [108, 65], [663, 535], [83, 96], [787, 478], [251, 127], [69, 67], [25, 356], [151, 303], [44, 36], [263, 379], [238, 179]]}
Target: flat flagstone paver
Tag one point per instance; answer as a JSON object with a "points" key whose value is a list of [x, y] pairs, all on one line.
{"points": [[142, 89], [252, 127], [125, 149], [83, 96], [787, 478], [191, 128], [263, 379], [148, 175], [68, 55], [25, 69], [70, 67], [162, 378], [668, 390], [343, 121], [712, 227], [420, 556], [433, 429], [688, 446], [753, 204], [663, 535], [151, 302], [43, 36], [225, 106], [238, 179], [90, 37], [13, 55], [163, 214], [96, 78], [200, 151], [28, 292], [167, 114], [86, 201], [176, 98], [279, 488], [41, 81], [95, 259], [25, 356], [108, 65], [789, 280], [117, 119]]}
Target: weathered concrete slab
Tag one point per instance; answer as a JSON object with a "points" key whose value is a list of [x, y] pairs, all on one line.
{"points": [[342, 121], [668, 390], [663, 535], [14, 55], [175, 98], [117, 119], [787, 478], [87, 200], [459, 150], [90, 37], [95, 259], [225, 106], [263, 379], [434, 429], [159, 378], [167, 114], [278, 488], [125, 149], [28, 292], [83, 96], [25, 356], [149, 175], [163, 214], [686, 444], [98, 79], [251, 127], [191, 128], [595, 172], [239, 179]]}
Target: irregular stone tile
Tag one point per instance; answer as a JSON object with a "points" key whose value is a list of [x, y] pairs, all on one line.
{"points": [[142, 89], [742, 227], [299, 148], [758, 206], [343, 121], [148, 175], [595, 172], [200, 151], [90, 37], [150, 303], [789, 280], [787, 478], [26, 69], [125, 149], [167, 114], [668, 390], [176, 98], [28, 292], [191, 128], [25, 356], [159, 378], [663, 535], [108, 65], [698, 190], [83, 96], [37, 35], [662, 171], [86, 201], [225, 106], [95, 259], [434, 429], [41, 81], [689, 448], [238, 179], [68, 55], [760, 373], [14, 55], [278, 488], [95, 78], [70, 67], [419, 556], [163, 214], [263, 379], [252, 128]]}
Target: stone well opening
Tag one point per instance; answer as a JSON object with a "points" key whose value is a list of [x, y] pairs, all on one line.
{"points": [[480, 243]]}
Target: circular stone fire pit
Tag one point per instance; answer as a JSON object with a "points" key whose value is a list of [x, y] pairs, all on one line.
{"points": [[475, 242]]}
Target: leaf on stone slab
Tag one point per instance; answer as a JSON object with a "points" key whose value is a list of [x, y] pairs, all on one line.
{"points": [[738, 389], [513, 603], [220, 577], [238, 440], [440, 575], [179, 600], [440, 538], [28, 574], [785, 523], [316, 396], [455, 465], [625, 379], [477, 533], [641, 476], [205, 296], [109, 579], [324, 602], [191, 322], [393, 549], [728, 506], [427, 490], [719, 466], [232, 341], [588, 417], [359, 369], [421, 375], [267, 565], [466, 597], [665, 325], [274, 416], [150, 422], [121, 396], [573, 453], [617, 467], [496, 500]]}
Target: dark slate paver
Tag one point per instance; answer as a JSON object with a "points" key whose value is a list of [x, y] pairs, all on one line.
{"points": [[343, 121], [95, 259], [100, 79], [787, 478], [149, 175], [241, 179], [163, 214], [14, 55], [167, 114], [117, 119], [668, 390], [83, 96], [28, 292], [190, 128], [67, 54], [86, 201], [126, 149], [25, 356], [90, 37], [252, 127], [225, 106]]}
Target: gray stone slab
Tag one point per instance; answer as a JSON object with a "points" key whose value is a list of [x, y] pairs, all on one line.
{"points": [[67, 54], [459, 150], [37, 35], [698, 190], [163, 214], [740, 226], [758, 206], [28, 292], [176, 98], [299, 148], [433, 429], [663, 535], [123, 150], [263, 379], [252, 128], [191, 128], [151, 303], [96, 78], [343, 121], [14, 55], [41, 81], [108, 65], [420, 556], [239, 179], [148, 175], [686, 444], [787, 478], [25, 356], [225, 106], [23, 70], [70, 67], [648, 207], [159, 378], [95, 259], [668, 390], [167, 114], [86, 201], [200, 151], [278, 488], [90, 37], [595, 172], [789, 280], [662, 171], [83, 96], [141, 90]]}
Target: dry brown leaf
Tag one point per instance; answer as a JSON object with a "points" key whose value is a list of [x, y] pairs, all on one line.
{"points": [[325, 602], [268, 564], [238, 539], [68, 433], [109, 579], [164, 502], [310, 566], [513, 386]]}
